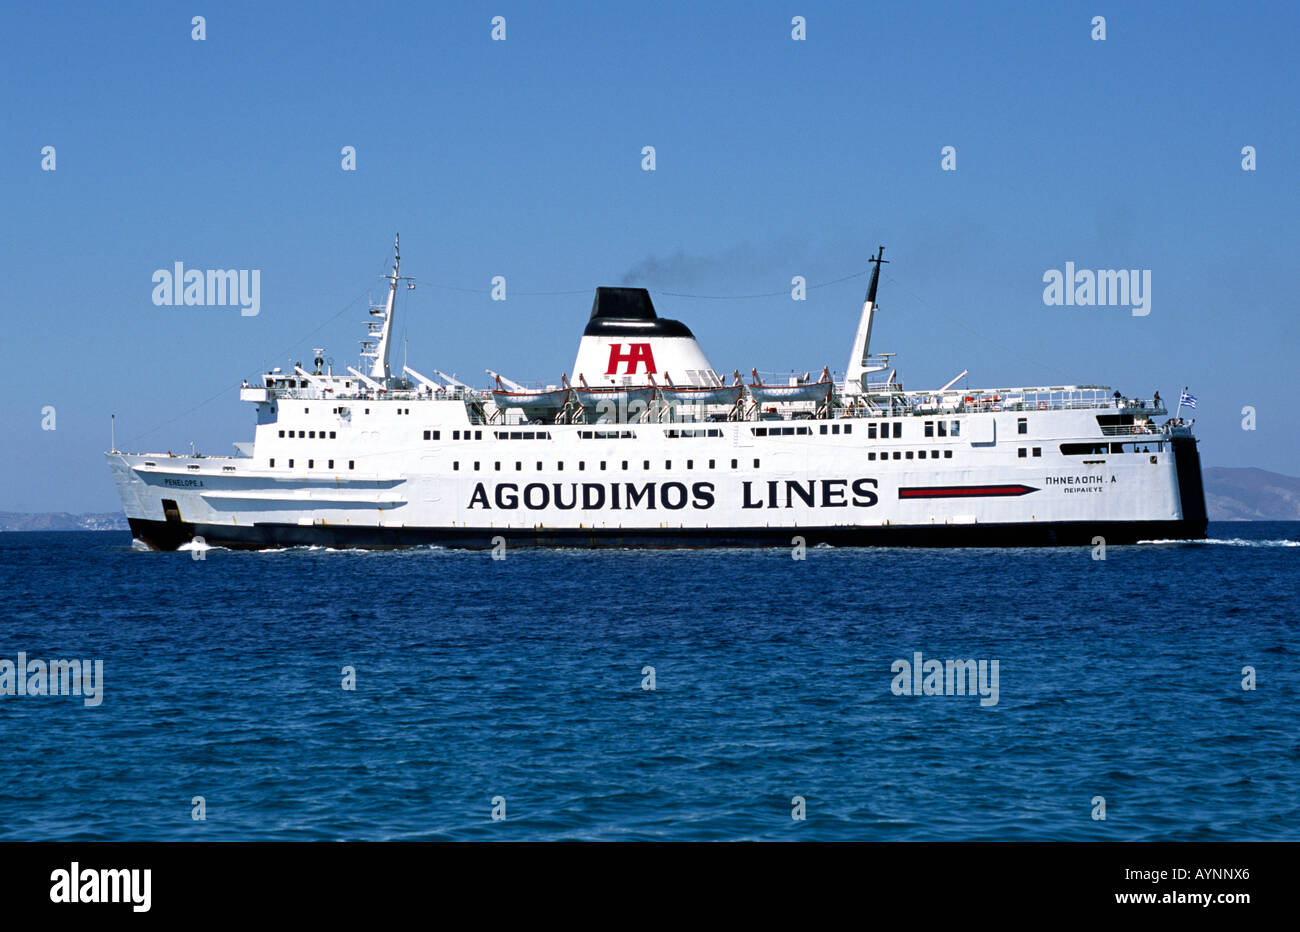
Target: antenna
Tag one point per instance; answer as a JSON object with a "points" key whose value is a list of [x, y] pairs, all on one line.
{"points": [[113, 433], [858, 367], [379, 368], [877, 260]]}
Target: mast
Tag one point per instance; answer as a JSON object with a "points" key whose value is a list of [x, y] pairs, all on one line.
{"points": [[379, 368], [862, 340]]}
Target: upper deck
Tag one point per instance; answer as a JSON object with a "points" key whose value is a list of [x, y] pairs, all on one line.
{"points": [[892, 403], [631, 368]]}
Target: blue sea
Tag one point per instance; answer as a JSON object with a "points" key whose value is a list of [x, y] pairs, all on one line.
{"points": [[519, 686]]}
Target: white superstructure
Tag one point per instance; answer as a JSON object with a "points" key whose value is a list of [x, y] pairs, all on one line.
{"points": [[646, 444]]}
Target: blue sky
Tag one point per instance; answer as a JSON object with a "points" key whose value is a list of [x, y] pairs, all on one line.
{"points": [[522, 158]]}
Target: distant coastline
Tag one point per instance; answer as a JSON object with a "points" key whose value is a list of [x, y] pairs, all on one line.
{"points": [[62, 521], [1231, 494], [1249, 494]]}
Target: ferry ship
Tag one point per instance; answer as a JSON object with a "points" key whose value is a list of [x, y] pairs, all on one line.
{"points": [[648, 445]]}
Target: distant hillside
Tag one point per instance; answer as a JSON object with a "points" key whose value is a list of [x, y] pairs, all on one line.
{"points": [[1248, 494], [62, 521]]}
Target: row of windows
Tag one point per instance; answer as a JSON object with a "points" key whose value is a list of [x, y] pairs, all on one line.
{"points": [[735, 464], [1101, 449], [343, 410], [500, 435], [1038, 451], [884, 430], [908, 454], [668, 464], [309, 434], [944, 428], [519, 435], [874, 431], [604, 464], [311, 464], [826, 429], [673, 433], [293, 383]]}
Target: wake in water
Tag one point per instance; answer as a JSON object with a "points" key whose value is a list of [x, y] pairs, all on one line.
{"points": [[1229, 542], [198, 545]]}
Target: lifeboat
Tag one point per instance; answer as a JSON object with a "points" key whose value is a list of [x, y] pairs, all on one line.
{"points": [[702, 394], [553, 399], [800, 390], [542, 403], [722, 395], [621, 395]]}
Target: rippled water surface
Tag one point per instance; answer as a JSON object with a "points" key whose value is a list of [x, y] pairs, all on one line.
{"points": [[523, 679]]}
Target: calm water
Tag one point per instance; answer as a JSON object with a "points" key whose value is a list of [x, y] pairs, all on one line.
{"points": [[523, 679]]}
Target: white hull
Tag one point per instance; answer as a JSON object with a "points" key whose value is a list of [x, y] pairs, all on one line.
{"points": [[572, 479]]}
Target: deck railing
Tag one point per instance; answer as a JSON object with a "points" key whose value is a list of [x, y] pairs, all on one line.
{"points": [[898, 404], [315, 394]]}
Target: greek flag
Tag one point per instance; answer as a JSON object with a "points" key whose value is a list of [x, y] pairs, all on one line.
{"points": [[1188, 399]]}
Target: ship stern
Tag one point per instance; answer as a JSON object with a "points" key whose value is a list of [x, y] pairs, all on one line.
{"points": [[1191, 488]]}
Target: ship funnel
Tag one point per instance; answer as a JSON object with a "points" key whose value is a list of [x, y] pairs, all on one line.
{"points": [[626, 342]]}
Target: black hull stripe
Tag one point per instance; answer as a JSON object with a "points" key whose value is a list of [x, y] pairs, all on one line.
{"points": [[165, 535]]}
